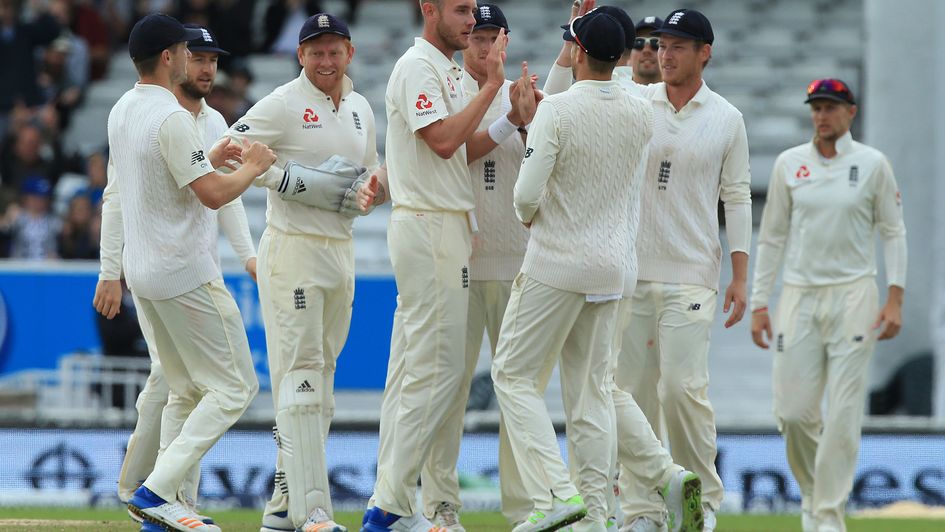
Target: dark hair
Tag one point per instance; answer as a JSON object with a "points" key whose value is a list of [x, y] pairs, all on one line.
{"points": [[600, 67], [148, 65]]}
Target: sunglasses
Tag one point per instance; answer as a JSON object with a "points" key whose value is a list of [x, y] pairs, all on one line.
{"points": [[640, 43], [828, 85]]}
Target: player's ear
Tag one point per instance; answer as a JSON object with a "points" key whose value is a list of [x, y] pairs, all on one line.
{"points": [[299, 52], [350, 52]]}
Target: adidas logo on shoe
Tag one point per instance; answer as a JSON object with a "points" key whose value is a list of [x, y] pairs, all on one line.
{"points": [[305, 387]]}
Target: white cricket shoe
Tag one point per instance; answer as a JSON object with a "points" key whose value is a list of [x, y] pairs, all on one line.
{"points": [[277, 522], [319, 521], [377, 520], [709, 519], [808, 523], [171, 515], [562, 514], [644, 524], [683, 498], [447, 516]]}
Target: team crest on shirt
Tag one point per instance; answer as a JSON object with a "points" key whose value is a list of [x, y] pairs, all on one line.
{"points": [[449, 82], [854, 175], [310, 120], [357, 122]]}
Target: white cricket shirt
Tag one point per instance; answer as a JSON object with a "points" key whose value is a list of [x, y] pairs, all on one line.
{"points": [[156, 152], [821, 215], [499, 246], [425, 87], [299, 123]]}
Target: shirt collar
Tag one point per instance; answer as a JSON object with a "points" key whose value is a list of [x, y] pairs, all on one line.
{"points": [[204, 108], [155, 90], [623, 72], [596, 83], [843, 146], [701, 96], [347, 86], [435, 55]]}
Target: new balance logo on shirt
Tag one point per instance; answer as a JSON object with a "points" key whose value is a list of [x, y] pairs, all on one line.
{"points": [[305, 387], [695, 306], [196, 157]]}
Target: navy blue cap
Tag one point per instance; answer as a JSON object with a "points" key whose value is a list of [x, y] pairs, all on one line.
{"points": [[830, 89], [619, 14], [649, 23], [490, 16], [207, 42], [688, 24], [155, 33], [321, 23], [599, 35]]}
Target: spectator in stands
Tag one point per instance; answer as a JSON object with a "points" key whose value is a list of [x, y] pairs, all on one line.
{"points": [[31, 226], [231, 21], [18, 42], [283, 20], [95, 169], [353, 6], [241, 77], [642, 57], [85, 22], [76, 239], [61, 78], [29, 153]]}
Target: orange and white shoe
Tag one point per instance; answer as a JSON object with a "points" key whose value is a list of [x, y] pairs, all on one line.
{"points": [[319, 521], [171, 515]]}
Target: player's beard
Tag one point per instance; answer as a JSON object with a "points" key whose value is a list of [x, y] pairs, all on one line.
{"points": [[453, 40], [192, 91]]}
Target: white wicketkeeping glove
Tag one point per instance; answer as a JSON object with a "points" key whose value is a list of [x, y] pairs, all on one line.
{"points": [[349, 205], [324, 186]]}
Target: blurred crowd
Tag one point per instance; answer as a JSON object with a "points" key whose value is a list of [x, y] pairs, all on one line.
{"points": [[51, 50]]}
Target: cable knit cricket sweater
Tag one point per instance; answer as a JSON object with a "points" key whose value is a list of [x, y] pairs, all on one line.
{"points": [[579, 187]]}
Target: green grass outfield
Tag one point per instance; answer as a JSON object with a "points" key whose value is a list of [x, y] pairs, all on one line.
{"points": [[80, 520]]}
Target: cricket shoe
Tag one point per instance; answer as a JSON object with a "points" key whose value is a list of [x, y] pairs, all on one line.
{"points": [[644, 524], [277, 522], [171, 515], [561, 514], [377, 520], [611, 526], [808, 523], [319, 521], [447, 516], [683, 498], [709, 519]]}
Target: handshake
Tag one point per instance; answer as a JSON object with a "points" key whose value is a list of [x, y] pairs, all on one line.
{"points": [[337, 185]]}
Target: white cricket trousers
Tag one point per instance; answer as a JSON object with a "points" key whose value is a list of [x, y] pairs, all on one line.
{"points": [[824, 338], [540, 323], [487, 303], [201, 343], [664, 364], [306, 287], [429, 253]]}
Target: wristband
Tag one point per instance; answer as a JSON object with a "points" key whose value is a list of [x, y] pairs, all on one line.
{"points": [[760, 310], [501, 129]]}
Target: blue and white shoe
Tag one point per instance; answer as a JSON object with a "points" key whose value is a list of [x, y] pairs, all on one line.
{"points": [[151, 527], [377, 520], [171, 515], [277, 522]]}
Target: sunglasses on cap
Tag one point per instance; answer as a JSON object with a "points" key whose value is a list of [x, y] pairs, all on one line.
{"points": [[640, 43], [829, 88]]}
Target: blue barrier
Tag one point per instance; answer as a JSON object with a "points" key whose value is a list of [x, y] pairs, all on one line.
{"points": [[46, 312]]}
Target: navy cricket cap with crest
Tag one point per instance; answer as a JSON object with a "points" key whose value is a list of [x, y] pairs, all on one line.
{"points": [[321, 23], [155, 33], [830, 89], [649, 23], [490, 16], [619, 14], [688, 24], [599, 35], [207, 42]]}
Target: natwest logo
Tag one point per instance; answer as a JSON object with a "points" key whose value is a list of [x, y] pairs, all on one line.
{"points": [[310, 116], [802, 173], [423, 102]]}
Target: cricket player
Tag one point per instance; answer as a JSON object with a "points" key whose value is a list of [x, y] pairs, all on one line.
{"points": [[642, 64], [826, 200], [638, 449], [431, 137], [579, 200], [498, 250], [166, 183], [144, 443], [320, 130]]}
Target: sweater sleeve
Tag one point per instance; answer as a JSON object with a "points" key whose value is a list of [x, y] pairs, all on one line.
{"points": [[541, 152], [736, 191], [775, 227], [888, 216], [232, 218], [559, 79], [112, 231], [265, 123]]}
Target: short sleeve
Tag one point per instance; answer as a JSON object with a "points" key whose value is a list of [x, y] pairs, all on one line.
{"points": [[183, 149], [422, 101]]}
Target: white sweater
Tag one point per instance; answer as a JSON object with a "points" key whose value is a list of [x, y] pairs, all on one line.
{"points": [[499, 246], [169, 235], [579, 184], [698, 155], [824, 213]]}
